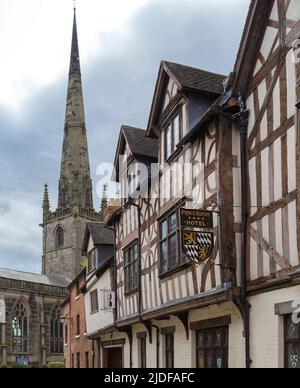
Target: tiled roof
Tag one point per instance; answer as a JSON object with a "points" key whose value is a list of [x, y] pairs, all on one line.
{"points": [[55, 281], [100, 234], [193, 78], [139, 144]]}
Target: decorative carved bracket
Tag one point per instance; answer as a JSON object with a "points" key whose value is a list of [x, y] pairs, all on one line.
{"points": [[128, 331], [184, 319], [148, 326]]}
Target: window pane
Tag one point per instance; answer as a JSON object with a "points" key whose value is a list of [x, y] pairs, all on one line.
{"points": [[293, 350], [173, 251], [200, 339], [164, 230], [201, 359], [219, 337], [164, 256], [126, 257], [292, 329], [136, 274], [169, 141], [130, 277], [126, 279], [208, 338], [173, 222], [219, 359], [176, 131]]}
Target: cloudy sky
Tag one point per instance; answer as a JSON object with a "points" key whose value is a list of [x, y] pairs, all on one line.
{"points": [[121, 45]]}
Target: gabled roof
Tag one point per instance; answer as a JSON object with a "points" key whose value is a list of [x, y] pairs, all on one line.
{"points": [[138, 143], [48, 280], [100, 234], [258, 15], [188, 79]]}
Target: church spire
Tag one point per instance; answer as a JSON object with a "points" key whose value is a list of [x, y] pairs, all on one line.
{"points": [[75, 60], [75, 185]]}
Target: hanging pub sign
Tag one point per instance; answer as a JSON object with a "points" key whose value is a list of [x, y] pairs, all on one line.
{"points": [[191, 218], [198, 246]]}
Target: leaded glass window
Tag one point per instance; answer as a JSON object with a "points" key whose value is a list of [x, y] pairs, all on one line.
{"points": [[173, 134], [56, 332], [143, 352], [131, 269], [170, 257], [169, 351], [212, 348], [20, 329], [292, 343]]}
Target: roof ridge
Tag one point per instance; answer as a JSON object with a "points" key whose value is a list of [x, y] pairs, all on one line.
{"points": [[193, 67], [34, 273], [25, 272], [132, 127]]}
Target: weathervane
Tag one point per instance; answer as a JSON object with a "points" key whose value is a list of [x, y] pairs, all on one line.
{"points": [[74, 2]]}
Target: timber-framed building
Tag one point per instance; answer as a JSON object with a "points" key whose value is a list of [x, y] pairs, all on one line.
{"points": [[238, 309]]}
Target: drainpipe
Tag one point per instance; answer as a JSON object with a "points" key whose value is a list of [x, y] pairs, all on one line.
{"points": [[243, 303], [116, 298]]}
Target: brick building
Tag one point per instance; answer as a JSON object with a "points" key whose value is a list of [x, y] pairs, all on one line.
{"points": [[78, 349]]}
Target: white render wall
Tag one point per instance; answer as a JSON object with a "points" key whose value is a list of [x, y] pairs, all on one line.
{"points": [[185, 350], [267, 330], [102, 319]]}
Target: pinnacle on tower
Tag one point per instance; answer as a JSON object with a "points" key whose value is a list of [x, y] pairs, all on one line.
{"points": [[104, 202], [46, 201]]}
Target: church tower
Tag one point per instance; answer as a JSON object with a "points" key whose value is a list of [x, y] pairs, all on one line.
{"points": [[63, 229]]}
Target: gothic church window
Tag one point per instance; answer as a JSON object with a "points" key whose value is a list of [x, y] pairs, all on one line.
{"points": [[20, 329], [60, 238], [56, 332]]}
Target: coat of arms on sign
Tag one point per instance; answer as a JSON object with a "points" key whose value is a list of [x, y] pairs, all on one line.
{"points": [[198, 246]]}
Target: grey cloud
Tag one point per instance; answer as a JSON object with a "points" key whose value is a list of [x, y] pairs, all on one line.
{"points": [[118, 88]]}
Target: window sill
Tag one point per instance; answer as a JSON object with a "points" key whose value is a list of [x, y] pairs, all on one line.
{"points": [[77, 298], [174, 270], [94, 312], [129, 293], [77, 337]]}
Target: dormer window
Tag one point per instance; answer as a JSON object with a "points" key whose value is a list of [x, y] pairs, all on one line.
{"points": [[173, 134]]}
